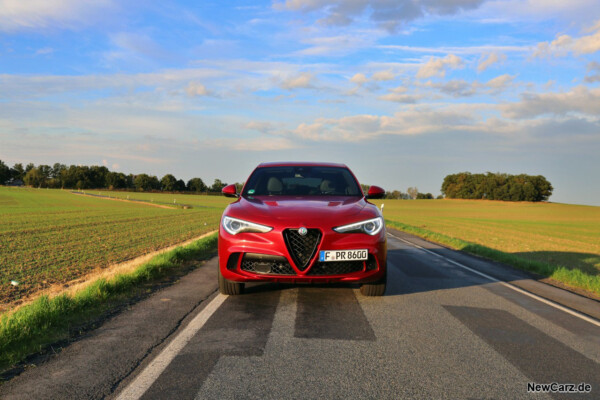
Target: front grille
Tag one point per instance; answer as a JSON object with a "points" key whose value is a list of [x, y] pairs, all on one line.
{"points": [[266, 264], [336, 267], [302, 248]]}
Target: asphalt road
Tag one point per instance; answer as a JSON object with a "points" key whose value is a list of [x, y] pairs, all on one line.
{"points": [[441, 331]]}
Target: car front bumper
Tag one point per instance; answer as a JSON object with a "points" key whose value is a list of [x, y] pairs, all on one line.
{"points": [[251, 257]]}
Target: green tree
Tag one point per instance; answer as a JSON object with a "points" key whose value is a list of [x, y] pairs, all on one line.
{"points": [[395, 194], [17, 171], [217, 186], [196, 185], [167, 183], [543, 187], [116, 180], [180, 186], [424, 196], [35, 178], [497, 186], [450, 186], [5, 174], [145, 182], [57, 168]]}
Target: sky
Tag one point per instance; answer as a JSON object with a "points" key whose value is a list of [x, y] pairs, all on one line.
{"points": [[404, 92]]}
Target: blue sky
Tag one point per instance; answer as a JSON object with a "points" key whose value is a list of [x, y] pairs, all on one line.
{"points": [[404, 92]]}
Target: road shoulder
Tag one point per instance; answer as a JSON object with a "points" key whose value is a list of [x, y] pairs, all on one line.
{"points": [[95, 365], [521, 279]]}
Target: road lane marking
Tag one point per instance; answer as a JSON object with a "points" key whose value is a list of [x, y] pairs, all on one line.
{"points": [[506, 284], [146, 378]]}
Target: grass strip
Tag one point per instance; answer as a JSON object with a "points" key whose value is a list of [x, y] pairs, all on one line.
{"points": [[33, 327], [571, 277]]}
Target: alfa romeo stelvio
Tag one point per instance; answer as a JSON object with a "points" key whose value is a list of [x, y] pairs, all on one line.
{"points": [[302, 223]]}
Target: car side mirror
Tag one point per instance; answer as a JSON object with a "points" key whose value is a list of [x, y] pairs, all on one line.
{"points": [[230, 191], [375, 192]]}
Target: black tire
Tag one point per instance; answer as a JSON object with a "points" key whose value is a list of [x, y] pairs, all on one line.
{"points": [[229, 287], [375, 288]]}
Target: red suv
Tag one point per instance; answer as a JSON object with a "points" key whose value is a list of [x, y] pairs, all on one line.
{"points": [[302, 223]]}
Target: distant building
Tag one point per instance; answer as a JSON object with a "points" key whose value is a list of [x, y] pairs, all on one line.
{"points": [[14, 182]]}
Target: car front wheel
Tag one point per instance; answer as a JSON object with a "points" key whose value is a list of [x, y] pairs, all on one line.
{"points": [[229, 287], [375, 288]]}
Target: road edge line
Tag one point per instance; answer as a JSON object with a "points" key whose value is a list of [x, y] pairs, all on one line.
{"points": [[152, 371], [551, 303]]}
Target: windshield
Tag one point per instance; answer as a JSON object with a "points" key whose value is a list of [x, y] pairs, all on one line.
{"points": [[301, 181]]}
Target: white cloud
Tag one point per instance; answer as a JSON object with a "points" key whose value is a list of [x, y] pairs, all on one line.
{"points": [[267, 128], [565, 44], [514, 11], [501, 82], [412, 120], [43, 14], [330, 46], [133, 44], [437, 66], [267, 143], [400, 95], [383, 76], [463, 88], [463, 50], [593, 67], [302, 81], [400, 98], [260, 126], [456, 87], [579, 100], [488, 60], [359, 79], [387, 14], [27, 86], [195, 89]]}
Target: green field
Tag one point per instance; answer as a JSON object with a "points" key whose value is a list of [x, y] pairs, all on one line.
{"points": [[54, 236], [547, 233], [168, 198]]}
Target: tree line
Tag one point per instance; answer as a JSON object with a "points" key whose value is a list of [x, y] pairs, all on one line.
{"points": [[497, 186], [60, 176], [412, 193]]}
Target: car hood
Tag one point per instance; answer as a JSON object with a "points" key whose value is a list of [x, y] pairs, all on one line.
{"points": [[295, 211]]}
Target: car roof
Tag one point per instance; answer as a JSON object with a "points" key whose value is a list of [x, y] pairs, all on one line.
{"points": [[300, 164]]}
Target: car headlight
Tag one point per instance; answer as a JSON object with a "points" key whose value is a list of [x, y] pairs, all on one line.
{"points": [[234, 226], [370, 226]]}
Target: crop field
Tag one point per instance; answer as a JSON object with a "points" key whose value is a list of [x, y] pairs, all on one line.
{"points": [[168, 198], [54, 236], [557, 234]]}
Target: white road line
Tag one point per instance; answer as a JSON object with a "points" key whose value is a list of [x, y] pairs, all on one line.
{"points": [[508, 285], [150, 374]]}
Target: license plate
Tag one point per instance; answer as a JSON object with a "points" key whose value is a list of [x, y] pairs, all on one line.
{"points": [[343, 255]]}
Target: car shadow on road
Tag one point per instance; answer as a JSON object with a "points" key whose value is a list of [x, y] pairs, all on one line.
{"points": [[262, 287], [410, 272]]}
